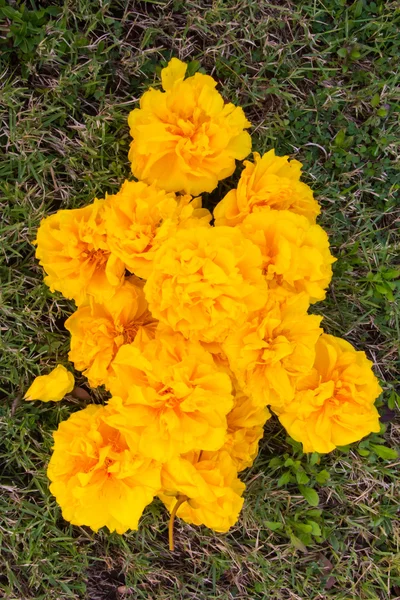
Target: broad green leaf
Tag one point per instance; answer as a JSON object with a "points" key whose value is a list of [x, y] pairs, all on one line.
{"points": [[314, 512], [316, 529], [10, 13], [273, 525], [363, 452], [310, 495], [384, 452], [284, 479], [304, 527], [322, 477], [302, 477], [344, 449]]}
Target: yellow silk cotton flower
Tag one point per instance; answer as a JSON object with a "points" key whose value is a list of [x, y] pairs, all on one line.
{"points": [[52, 387], [271, 350], [186, 138], [245, 421], [96, 478], [209, 484], [98, 330], [295, 253], [245, 429], [334, 403], [72, 248], [270, 182], [140, 217], [172, 395], [206, 281]]}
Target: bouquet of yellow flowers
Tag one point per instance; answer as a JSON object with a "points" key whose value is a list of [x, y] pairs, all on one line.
{"points": [[199, 330]]}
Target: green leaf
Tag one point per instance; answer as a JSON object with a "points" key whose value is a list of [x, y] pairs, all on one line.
{"points": [[314, 512], [54, 11], [297, 543], [322, 477], [344, 449], [304, 527], [315, 528], [340, 138], [342, 52], [375, 100], [357, 8], [363, 452], [381, 289], [393, 400], [355, 54], [302, 477], [384, 452], [297, 446], [284, 479], [192, 67], [335, 542], [273, 525], [10, 13], [314, 459], [310, 495], [391, 274]]}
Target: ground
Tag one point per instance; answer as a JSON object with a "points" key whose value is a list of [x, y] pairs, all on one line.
{"points": [[317, 79]]}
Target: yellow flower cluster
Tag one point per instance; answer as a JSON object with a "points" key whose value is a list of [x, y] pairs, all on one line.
{"points": [[197, 331], [186, 138]]}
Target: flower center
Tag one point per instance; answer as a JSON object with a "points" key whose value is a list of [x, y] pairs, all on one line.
{"points": [[98, 257], [169, 398], [108, 463], [130, 331]]}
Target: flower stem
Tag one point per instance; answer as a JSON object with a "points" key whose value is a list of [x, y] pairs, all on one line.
{"points": [[180, 500]]}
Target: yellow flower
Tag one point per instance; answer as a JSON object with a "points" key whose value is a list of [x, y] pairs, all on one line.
{"points": [[270, 351], [295, 252], [51, 387], [270, 182], [72, 248], [186, 138], [98, 330], [245, 429], [206, 281], [246, 419], [334, 403], [140, 217], [210, 483], [96, 478], [172, 393]]}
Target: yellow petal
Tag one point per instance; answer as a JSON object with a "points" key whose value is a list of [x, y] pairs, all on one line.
{"points": [[175, 71], [51, 387]]}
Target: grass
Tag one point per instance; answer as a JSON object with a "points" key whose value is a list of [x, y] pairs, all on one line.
{"points": [[319, 80]]}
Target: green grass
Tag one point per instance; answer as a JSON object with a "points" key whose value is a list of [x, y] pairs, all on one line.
{"points": [[319, 80]]}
